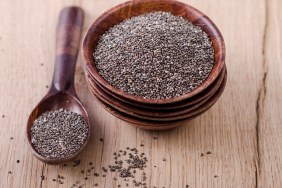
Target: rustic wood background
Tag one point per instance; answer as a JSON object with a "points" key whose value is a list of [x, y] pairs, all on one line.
{"points": [[243, 130]]}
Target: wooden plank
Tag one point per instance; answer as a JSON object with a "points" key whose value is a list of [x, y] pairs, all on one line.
{"points": [[269, 102], [241, 130]]}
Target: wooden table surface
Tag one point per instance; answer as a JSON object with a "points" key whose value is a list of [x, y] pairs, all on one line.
{"points": [[243, 130]]}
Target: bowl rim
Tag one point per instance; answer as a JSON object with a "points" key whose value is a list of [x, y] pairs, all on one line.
{"points": [[160, 115], [90, 64], [158, 124]]}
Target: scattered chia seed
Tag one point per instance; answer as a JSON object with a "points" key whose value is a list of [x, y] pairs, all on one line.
{"points": [[59, 133], [104, 169], [215, 176], [18, 161], [129, 163], [76, 162], [129, 168], [156, 55], [47, 86], [202, 154], [11, 138], [101, 139], [10, 172], [209, 152]]}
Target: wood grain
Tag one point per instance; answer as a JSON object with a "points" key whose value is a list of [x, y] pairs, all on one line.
{"points": [[243, 130]]}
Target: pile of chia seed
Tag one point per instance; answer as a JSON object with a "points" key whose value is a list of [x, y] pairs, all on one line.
{"points": [[59, 133], [127, 170], [156, 55], [127, 164]]}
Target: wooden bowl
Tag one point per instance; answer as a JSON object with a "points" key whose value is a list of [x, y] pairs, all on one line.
{"points": [[162, 125], [115, 99], [138, 7], [161, 115]]}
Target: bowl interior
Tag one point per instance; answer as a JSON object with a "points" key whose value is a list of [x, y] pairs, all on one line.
{"points": [[135, 8]]}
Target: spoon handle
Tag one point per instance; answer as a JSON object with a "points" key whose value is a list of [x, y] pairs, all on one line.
{"points": [[68, 37]]}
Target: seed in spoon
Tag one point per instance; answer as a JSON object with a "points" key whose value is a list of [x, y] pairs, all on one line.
{"points": [[58, 133]]}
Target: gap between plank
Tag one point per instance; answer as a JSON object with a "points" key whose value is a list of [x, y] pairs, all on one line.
{"points": [[42, 175], [261, 95]]}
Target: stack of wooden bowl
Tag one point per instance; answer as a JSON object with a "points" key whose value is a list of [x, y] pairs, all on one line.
{"points": [[152, 113]]}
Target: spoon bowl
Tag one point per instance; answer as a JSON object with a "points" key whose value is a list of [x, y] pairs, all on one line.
{"points": [[62, 93], [55, 102]]}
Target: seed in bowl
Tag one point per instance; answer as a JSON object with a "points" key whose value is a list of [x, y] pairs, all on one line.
{"points": [[58, 133], [155, 55]]}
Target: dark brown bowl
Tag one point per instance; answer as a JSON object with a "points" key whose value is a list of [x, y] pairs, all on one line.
{"points": [[138, 7], [115, 99], [162, 125], [149, 114]]}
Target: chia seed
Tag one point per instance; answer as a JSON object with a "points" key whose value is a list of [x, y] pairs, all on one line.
{"points": [[156, 55], [76, 162], [59, 133]]}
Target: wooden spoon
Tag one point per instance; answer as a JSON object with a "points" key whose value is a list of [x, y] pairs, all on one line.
{"points": [[62, 93]]}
